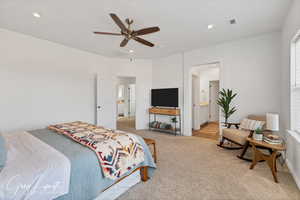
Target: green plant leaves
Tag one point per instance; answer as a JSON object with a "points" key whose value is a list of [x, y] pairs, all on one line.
{"points": [[224, 101]]}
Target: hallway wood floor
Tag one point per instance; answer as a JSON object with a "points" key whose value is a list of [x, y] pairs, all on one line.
{"points": [[210, 131], [125, 122]]}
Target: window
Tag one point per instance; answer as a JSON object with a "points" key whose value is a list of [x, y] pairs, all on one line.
{"points": [[295, 85]]}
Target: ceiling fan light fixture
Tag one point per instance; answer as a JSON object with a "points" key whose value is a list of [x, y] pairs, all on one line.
{"points": [[131, 51], [128, 33]]}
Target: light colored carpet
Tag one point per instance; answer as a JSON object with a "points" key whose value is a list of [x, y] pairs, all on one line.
{"points": [[195, 168]]}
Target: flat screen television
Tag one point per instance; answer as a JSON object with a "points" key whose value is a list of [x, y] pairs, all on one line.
{"points": [[164, 97]]}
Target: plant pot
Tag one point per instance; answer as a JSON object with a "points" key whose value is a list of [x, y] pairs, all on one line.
{"points": [[258, 137]]}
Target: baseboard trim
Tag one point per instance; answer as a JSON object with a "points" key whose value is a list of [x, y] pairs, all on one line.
{"points": [[293, 172]]}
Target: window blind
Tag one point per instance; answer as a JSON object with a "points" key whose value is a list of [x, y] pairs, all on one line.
{"points": [[297, 62], [295, 91]]}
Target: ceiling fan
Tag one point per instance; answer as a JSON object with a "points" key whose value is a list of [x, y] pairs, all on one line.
{"points": [[129, 33]]}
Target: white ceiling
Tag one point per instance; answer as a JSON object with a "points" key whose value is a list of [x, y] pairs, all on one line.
{"points": [[183, 23]]}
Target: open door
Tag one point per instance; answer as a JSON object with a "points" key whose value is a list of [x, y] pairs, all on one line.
{"points": [[105, 105], [195, 102], [213, 97], [99, 102]]}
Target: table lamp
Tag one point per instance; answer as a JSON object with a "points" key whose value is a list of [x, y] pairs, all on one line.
{"points": [[272, 122]]}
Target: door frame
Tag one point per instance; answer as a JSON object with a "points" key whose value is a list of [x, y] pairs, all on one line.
{"points": [[127, 91], [187, 105]]}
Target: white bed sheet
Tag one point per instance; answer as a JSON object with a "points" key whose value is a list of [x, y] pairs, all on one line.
{"points": [[34, 170]]}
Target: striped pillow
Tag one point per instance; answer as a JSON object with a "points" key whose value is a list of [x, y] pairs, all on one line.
{"points": [[249, 124]]}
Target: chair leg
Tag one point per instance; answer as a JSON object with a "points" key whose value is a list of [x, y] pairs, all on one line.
{"points": [[228, 148], [241, 156], [221, 142]]}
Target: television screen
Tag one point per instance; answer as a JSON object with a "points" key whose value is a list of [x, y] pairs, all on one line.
{"points": [[164, 97]]}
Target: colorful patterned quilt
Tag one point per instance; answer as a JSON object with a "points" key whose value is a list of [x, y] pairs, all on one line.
{"points": [[118, 152]]}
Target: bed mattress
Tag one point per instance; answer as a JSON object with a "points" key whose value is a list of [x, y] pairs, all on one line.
{"points": [[86, 180]]}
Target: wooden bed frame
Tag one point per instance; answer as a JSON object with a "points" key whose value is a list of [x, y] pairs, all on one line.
{"points": [[143, 172]]}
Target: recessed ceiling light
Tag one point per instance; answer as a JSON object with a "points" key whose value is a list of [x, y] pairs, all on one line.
{"points": [[131, 51], [37, 15], [210, 26]]}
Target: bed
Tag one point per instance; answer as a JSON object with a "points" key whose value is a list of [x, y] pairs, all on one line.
{"points": [[73, 165]]}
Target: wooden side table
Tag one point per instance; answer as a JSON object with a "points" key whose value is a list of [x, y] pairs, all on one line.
{"points": [[259, 156], [151, 142]]}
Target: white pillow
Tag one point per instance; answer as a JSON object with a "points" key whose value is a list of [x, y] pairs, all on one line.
{"points": [[249, 124]]}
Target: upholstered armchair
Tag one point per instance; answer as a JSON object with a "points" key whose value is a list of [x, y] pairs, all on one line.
{"points": [[238, 136]]}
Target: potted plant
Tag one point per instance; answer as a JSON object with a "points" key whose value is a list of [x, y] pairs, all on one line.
{"points": [[258, 134], [224, 101], [174, 120]]}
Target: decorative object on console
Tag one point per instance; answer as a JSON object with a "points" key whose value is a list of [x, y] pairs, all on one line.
{"points": [[272, 121], [272, 125], [174, 119], [258, 134], [164, 127], [272, 139], [160, 125], [224, 101]]}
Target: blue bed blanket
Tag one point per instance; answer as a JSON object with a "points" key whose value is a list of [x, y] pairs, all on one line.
{"points": [[86, 180]]}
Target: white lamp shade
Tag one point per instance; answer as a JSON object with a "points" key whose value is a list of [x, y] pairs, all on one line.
{"points": [[272, 121]]}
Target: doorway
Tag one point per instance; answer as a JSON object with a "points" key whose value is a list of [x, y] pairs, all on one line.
{"points": [[126, 103], [205, 92]]}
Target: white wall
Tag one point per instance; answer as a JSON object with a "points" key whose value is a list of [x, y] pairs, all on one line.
{"points": [[168, 73], [43, 82], [289, 30], [245, 66], [251, 67]]}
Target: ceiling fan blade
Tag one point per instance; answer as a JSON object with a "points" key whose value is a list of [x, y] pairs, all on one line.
{"points": [[145, 42], [106, 33], [124, 42], [145, 31], [118, 22]]}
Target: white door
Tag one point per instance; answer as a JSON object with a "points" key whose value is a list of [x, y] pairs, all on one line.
{"points": [[99, 101], [131, 100], [106, 106], [213, 96], [195, 102]]}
